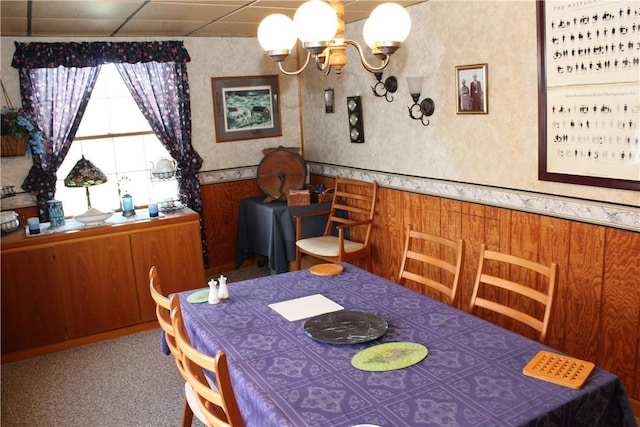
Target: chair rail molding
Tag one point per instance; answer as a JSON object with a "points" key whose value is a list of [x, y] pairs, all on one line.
{"points": [[606, 214]]}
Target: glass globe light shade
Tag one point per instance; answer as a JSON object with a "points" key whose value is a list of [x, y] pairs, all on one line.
{"points": [[387, 22], [315, 21], [276, 32], [415, 85], [368, 33]]}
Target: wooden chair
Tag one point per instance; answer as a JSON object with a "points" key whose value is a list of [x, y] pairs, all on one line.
{"points": [[350, 217], [515, 287], [217, 403], [163, 313], [432, 261]]}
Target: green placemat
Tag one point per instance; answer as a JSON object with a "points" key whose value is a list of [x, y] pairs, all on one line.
{"points": [[389, 356], [199, 297]]}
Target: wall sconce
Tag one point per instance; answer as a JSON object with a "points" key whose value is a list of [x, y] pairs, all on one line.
{"points": [[390, 85], [425, 107]]}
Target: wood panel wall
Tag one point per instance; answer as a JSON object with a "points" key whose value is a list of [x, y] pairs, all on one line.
{"points": [[597, 314]]}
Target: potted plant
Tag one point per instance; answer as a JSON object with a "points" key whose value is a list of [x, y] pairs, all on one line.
{"points": [[20, 135]]}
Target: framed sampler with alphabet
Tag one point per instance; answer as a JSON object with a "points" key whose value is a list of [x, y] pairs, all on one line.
{"points": [[589, 93]]}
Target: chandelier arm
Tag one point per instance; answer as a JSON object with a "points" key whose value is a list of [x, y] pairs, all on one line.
{"points": [[298, 71], [370, 68], [322, 62]]}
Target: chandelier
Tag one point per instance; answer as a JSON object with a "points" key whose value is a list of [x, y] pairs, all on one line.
{"points": [[320, 28]]}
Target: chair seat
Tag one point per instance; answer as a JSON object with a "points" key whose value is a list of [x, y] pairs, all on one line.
{"points": [[327, 245], [190, 395], [192, 401]]}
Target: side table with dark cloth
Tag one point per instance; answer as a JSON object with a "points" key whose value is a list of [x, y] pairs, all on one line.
{"points": [[471, 377], [269, 229]]}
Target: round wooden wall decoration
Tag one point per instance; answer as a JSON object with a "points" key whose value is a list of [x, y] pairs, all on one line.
{"points": [[279, 171]]}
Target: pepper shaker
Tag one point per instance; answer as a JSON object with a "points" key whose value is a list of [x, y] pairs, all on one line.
{"points": [[223, 293], [213, 292]]}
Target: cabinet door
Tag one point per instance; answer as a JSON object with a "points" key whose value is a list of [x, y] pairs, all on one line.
{"points": [[32, 313], [176, 251], [96, 276]]}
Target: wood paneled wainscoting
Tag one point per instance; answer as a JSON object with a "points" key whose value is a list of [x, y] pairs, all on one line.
{"points": [[597, 312]]}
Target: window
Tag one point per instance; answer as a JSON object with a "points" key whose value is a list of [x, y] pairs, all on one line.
{"points": [[114, 136]]}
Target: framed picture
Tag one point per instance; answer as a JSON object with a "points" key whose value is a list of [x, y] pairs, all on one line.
{"points": [[246, 107], [472, 89], [588, 94]]}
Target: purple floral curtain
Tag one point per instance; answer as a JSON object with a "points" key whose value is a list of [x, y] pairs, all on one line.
{"points": [[161, 91], [171, 123], [57, 99]]}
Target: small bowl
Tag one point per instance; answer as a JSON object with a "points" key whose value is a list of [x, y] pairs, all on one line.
{"points": [[93, 216]]}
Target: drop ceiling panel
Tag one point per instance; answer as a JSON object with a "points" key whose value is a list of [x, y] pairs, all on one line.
{"points": [[148, 28], [85, 9], [157, 18], [221, 29], [174, 11], [77, 27]]}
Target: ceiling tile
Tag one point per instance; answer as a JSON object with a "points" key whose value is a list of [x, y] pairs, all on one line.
{"points": [[175, 11], [85, 9], [145, 18], [79, 27]]}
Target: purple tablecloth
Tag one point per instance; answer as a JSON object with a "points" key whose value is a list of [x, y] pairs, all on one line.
{"points": [[471, 377]]}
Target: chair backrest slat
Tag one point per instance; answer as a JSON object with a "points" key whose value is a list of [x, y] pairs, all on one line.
{"points": [[218, 405], [433, 262], [515, 287]]}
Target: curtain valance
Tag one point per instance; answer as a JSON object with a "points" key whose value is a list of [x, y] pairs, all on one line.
{"points": [[91, 54]]}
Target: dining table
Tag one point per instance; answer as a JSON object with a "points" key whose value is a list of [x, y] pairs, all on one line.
{"points": [[472, 375]]}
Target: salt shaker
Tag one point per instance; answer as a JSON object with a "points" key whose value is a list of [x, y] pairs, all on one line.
{"points": [[223, 292], [213, 292]]}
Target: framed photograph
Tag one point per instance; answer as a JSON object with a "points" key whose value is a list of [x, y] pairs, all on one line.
{"points": [[472, 89], [588, 95], [246, 107]]}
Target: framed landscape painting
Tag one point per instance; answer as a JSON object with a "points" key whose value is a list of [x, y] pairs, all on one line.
{"points": [[246, 107]]}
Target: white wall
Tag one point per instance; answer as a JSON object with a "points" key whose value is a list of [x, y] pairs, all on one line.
{"points": [[210, 57], [499, 149]]}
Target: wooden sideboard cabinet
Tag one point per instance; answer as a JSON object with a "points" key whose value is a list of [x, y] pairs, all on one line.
{"points": [[83, 281]]}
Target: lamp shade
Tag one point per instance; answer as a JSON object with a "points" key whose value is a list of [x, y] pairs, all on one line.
{"points": [[276, 32], [315, 21], [388, 22], [415, 85], [84, 174]]}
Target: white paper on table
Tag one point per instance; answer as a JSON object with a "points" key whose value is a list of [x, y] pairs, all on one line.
{"points": [[304, 307]]}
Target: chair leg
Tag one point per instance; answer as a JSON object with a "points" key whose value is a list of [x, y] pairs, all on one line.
{"points": [[298, 260], [187, 414], [369, 265]]}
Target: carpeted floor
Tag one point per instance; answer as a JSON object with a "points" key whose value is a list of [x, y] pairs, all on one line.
{"points": [[127, 381]]}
